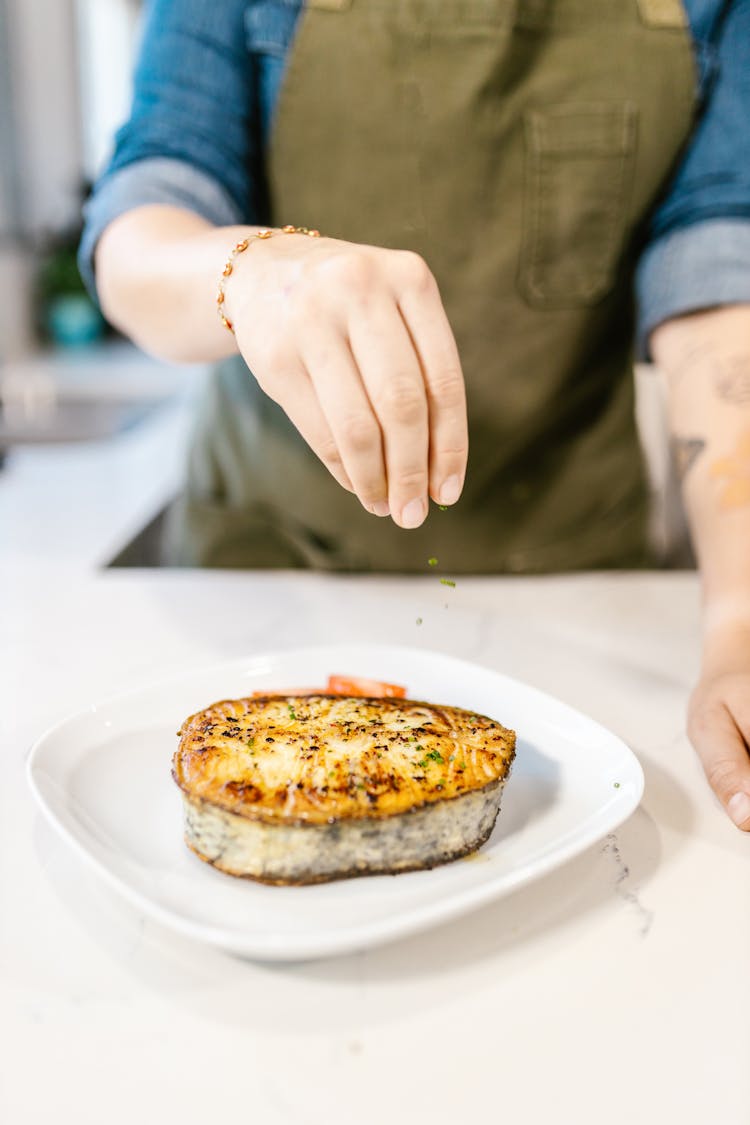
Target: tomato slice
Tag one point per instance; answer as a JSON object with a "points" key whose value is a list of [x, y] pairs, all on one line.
{"points": [[342, 685], [357, 685]]}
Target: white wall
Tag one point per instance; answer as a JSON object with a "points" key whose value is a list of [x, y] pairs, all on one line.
{"points": [[46, 108], [67, 64], [107, 31], [40, 52]]}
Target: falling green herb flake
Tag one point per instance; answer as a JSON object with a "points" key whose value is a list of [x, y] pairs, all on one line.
{"points": [[432, 562], [447, 582], [617, 785], [419, 621], [443, 507]]}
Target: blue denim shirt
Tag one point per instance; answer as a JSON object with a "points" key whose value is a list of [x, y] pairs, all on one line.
{"points": [[207, 81]]}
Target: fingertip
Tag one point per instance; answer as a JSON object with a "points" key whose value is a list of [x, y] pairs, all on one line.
{"points": [[413, 514], [738, 807], [450, 490]]}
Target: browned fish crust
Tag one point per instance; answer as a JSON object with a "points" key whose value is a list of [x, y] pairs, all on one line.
{"points": [[307, 759]]}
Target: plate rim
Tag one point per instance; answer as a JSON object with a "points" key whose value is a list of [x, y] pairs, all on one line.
{"points": [[337, 941]]}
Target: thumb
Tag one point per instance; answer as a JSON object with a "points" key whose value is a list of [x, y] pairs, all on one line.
{"points": [[724, 756]]}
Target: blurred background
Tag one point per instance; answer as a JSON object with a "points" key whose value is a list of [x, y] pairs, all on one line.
{"points": [[93, 433], [64, 87]]}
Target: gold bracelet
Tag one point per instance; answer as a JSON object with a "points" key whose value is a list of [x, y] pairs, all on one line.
{"points": [[240, 249]]}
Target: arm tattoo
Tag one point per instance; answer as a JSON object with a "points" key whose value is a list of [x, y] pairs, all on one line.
{"points": [[685, 452], [729, 373], [733, 475], [731, 378]]}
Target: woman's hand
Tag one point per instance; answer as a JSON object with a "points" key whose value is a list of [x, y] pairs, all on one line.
{"points": [[719, 718], [353, 343]]}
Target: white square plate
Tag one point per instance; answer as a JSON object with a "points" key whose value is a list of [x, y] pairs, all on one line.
{"points": [[103, 779]]}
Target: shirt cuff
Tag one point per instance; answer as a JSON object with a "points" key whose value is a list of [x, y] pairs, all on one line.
{"points": [[152, 180], [696, 267]]}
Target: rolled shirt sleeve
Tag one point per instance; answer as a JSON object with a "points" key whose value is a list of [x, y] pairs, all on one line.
{"points": [[192, 138], [153, 180], [698, 244], [692, 268]]}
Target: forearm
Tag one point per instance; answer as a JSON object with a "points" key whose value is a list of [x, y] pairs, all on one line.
{"points": [[157, 270], [706, 359]]}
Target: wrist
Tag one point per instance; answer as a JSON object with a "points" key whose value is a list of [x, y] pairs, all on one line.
{"points": [[227, 297], [726, 634], [726, 611]]}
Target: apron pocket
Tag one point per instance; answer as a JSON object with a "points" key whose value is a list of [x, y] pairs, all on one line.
{"points": [[579, 163]]}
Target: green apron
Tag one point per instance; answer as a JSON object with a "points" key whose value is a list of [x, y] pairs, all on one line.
{"points": [[518, 145]]}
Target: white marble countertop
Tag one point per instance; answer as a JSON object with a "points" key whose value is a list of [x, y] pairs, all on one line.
{"points": [[614, 990]]}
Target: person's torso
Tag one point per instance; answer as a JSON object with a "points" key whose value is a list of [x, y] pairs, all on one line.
{"points": [[517, 145], [270, 27]]}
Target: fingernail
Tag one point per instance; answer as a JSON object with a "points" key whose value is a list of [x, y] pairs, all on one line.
{"points": [[413, 514], [381, 508], [738, 808], [450, 490]]}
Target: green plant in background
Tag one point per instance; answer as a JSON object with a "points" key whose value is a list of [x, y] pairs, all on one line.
{"points": [[58, 274], [66, 315]]}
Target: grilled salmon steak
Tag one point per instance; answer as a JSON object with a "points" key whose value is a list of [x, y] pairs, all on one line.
{"points": [[306, 788]]}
